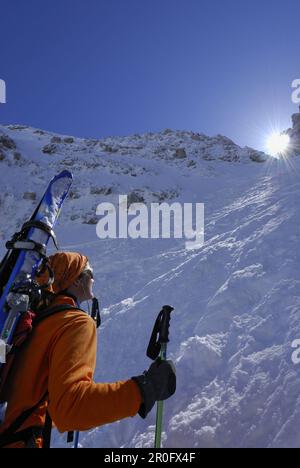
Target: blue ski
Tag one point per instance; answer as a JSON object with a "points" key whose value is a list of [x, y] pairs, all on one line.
{"points": [[25, 253]]}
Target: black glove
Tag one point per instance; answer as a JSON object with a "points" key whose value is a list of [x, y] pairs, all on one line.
{"points": [[156, 384]]}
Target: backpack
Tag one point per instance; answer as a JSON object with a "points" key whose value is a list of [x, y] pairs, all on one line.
{"points": [[26, 324]]}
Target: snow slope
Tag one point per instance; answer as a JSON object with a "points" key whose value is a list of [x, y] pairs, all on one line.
{"points": [[236, 299]]}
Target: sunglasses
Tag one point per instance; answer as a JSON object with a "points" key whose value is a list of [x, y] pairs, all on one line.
{"points": [[88, 273]]}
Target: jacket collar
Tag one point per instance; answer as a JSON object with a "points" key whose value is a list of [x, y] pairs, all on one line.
{"points": [[66, 297]]}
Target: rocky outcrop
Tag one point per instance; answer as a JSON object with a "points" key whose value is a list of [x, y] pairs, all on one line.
{"points": [[29, 196], [56, 139], [256, 156], [69, 140], [6, 142], [135, 197], [50, 149], [294, 133], [101, 191], [180, 153]]}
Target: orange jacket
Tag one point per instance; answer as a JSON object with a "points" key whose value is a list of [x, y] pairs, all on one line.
{"points": [[60, 357]]}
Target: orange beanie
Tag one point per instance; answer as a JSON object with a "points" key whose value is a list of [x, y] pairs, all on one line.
{"points": [[66, 266]]}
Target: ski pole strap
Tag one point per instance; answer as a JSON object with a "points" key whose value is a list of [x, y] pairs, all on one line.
{"points": [[160, 333]]}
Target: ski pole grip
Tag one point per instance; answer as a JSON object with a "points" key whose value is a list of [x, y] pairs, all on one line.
{"points": [[165, 323], [160, 333]]}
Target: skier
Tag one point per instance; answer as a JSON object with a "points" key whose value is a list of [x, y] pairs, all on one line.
{"points": [[54, 371]]}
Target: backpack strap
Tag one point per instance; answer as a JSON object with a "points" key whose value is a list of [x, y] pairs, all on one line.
{"points": [[11, 434], [28, 436], [42, 315]]}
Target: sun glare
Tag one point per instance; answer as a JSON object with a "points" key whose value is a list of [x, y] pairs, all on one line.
{"points": [[277, 144]]}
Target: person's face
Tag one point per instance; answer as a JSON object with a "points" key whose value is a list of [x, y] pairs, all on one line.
{"points": [[83, 286], [87, 282]]}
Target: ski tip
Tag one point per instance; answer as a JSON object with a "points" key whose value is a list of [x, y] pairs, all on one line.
{"points": [[65, 173]]}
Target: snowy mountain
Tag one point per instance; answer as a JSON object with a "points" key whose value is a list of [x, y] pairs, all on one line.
{"points": [[236, 299]]}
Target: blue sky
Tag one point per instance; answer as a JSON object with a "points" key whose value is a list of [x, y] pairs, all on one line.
{"points": [[94, 68]]}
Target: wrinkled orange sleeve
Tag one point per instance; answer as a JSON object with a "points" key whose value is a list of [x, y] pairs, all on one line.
{"points": [[76, 402]]}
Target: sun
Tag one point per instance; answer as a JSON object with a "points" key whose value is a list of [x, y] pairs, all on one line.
{"points": [[277, 144]]}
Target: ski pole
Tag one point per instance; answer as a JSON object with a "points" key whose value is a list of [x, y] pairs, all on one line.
{"points": [[158, 345], [76, 440], [160, 407]]}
